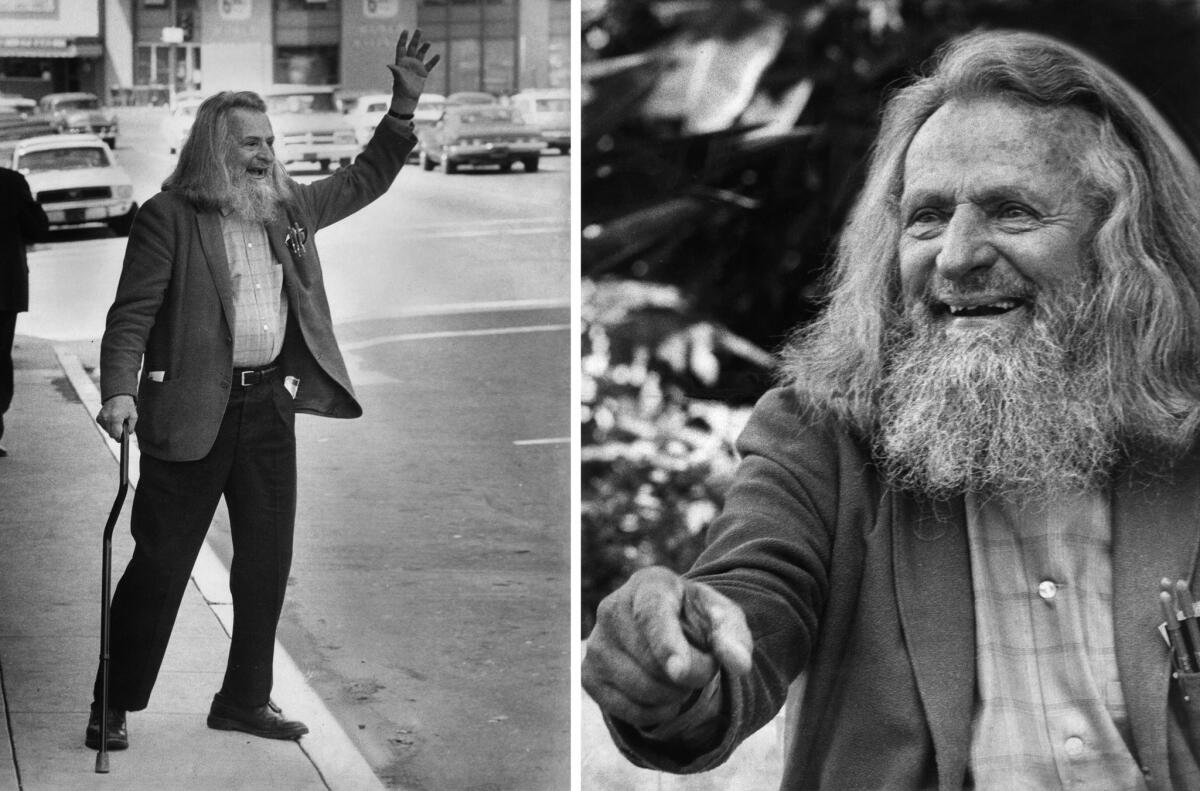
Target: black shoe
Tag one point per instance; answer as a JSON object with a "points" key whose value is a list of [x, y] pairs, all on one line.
{"points": [[118, 735], [264, 721]]}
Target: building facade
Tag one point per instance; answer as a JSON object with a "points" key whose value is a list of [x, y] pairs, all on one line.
{"points": [[145, 50]]}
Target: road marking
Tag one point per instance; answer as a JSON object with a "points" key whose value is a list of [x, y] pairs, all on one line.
{"points": [[328, 747], [427, 336], [546, 441]]}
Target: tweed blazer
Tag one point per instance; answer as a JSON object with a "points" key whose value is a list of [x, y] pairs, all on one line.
{"points": [[22, 222], [174, 307], [861, 606]]}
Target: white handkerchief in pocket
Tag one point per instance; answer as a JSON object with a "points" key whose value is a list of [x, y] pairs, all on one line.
{"points": [[157, 376]]}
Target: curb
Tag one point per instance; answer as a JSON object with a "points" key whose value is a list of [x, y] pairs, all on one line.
{"points": [[339, 763]]}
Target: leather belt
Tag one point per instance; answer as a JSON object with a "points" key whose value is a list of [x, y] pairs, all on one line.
{"points": [[248, 377]]}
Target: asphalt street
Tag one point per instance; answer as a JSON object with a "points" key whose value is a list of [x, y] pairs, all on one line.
{"points": [[430, 595]]}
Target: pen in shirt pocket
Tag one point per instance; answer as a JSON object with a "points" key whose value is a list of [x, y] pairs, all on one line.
{"points": [[1182, 649]]}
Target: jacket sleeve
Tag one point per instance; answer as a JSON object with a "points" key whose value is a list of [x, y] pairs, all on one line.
{"points": [[370, 175], [769, 552], [32, 219], [145, 275]]}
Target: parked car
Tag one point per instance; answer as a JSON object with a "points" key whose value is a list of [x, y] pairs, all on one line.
{"points": [[18, 104], [178, 124], [365, 114], [471, 97], [429, 110], [79, 112], [309, 127], [550, 111], [474, 134], [77, 179]]}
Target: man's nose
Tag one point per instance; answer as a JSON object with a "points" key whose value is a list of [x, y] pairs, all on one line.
{"points": [[965, 245], [265, 152]]}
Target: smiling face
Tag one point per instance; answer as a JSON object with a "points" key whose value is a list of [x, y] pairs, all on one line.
{"points": [[252, 153], [993, 213]]}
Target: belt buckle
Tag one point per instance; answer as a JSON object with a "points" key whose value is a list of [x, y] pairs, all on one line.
{"points": [[243, 378]]}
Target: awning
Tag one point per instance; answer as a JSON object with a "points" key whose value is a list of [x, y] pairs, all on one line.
{"points": [[49, 47]]}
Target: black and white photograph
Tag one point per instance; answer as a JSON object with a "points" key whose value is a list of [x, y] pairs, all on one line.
{"points": [[890, 316], [285, 479]]}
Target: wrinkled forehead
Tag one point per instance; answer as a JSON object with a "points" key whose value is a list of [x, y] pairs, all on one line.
{"points": [[249, 123]]}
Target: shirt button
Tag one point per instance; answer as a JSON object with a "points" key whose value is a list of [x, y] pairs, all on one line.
{"points": [[1073, 745], [1047, 589]]}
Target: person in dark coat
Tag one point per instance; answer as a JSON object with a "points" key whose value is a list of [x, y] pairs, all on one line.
{"points": [[219, 334], [22, 222]]}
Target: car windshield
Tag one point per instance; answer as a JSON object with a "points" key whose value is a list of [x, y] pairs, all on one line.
{"points": [[63, 159], [301, 103], [86, 103], [489, 115]]}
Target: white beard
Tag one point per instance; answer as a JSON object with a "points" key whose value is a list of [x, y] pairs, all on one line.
{"points": [[255, 200], [1024, 412]]}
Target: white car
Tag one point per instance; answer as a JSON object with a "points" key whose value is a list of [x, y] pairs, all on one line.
{"points": [[550, 111], [309, 127], [367, 110], [365, 114], [77, 180], [177, 125]]}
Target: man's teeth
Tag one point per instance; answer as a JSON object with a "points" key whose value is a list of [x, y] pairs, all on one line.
{"points": [[985, 309]]}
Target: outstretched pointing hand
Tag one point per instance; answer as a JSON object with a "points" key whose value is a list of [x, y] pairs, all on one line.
{"points": [[657, 638], [410, 71]]}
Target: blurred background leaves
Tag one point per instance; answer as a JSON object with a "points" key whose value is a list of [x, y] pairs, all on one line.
{"points": [[723, 143]]}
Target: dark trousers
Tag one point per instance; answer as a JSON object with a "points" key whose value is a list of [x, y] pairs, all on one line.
{"points": [[8, 332], [253, 464]]}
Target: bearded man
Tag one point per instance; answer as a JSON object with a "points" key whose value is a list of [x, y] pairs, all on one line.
{"points": [[945, 541], [222, 308]]}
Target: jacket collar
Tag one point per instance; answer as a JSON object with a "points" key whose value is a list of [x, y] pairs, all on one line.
{"points": [[1156, 534], [212, 241], [937, 614]]}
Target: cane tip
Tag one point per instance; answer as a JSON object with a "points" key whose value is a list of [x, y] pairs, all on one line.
{"points": [[102, 763]]}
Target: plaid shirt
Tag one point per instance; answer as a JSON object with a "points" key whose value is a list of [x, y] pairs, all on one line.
{"points": [[1050, 712], [259, 304]]}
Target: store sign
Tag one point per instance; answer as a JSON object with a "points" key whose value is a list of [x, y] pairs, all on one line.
{"points": [[235, 10], [381, 9], [28, 6]]}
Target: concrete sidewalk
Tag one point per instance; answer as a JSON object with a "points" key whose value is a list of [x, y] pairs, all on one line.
{"points": [[56, 488]]}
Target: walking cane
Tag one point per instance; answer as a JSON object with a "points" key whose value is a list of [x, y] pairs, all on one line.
{"points": [[105, 587]]}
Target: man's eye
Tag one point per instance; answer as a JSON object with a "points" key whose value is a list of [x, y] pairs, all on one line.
{"points": [[1015, 211], [924, 217]]}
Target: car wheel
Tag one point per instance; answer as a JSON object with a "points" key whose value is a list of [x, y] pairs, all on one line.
{"points": [[344, 162], [447, 165], [531, 164], [505, 167], [111, 142], [121, 225], [324, 163], [426, 162]]}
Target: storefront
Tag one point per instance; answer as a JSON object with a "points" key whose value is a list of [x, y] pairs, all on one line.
{"points": [[47, 46]]}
